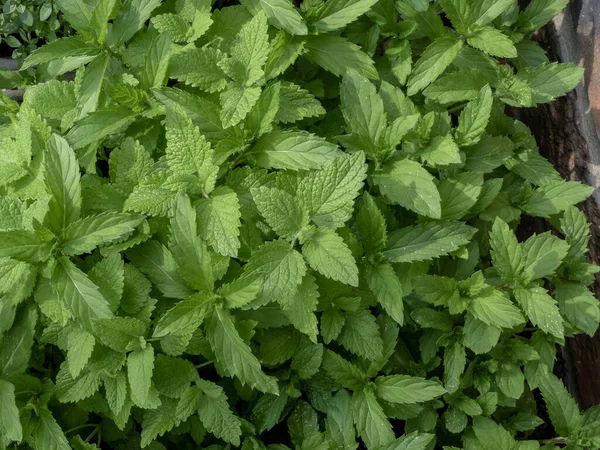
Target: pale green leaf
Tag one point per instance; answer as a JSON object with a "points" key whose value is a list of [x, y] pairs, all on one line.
{"points": [[234, 355], [327, 253], [428, 241], [408, 184]]}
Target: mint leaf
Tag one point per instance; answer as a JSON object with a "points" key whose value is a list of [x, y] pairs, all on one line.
{"points": [[79, 293], [408, 184], [327, 253], [281, 211], [294, 150], [62, 181], [329, 193], [405, 389], [371, 422], [10, 424], [90, 232], [280, 13], [234, 354], [432, 63], [219, 221], [562, 409], [426, 242], [384, 283]]}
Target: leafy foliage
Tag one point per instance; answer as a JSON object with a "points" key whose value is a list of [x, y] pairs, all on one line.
{"points": [[278, 226]]}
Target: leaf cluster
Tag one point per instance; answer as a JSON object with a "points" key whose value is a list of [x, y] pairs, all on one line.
{"points": [[277, 226]]}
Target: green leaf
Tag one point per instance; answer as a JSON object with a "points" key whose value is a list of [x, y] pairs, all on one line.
{"points": [[132, 16], [234, 356], [78, 292], [412, 441], [456, 86], [539, 12], [478, 336], [159, 420], [329, 193], [62, 181], [119, 333], [249, 52], [556, 196], [155, 260], [140, 365], [280, 13], [216, 415], [296, 150], [336, 14], [372, 228], [281, 211], [337, 55], [77, 13], [544, 253], [100, 17], [460, 194], [172, 26], [496, 310], [474, 118], [199, 67], [549, 81], [187, 150], [88, 233], [98, 125], [219, 221], [370, 419], [261, 117], [427, 241], [281, 269], [52, 100], [10, 424], [189, 251], [408, 184], [91, 85], [296, 104], [579, 307], [47, 433], [490, 435], [384, 283], [17, 342], [488, 154], [541, 310], [405, 389], [80, 345], [236, 102], [485, 11], [459, 12], [185, 317], [441, 151], [433, 62], [454, 366], [340, 420], [562, 409], [362, 107], [493, 42], [361, 335], [327, 253], [156, 62], [58, 49], [507, 254], [285, 49], [24, 246]]}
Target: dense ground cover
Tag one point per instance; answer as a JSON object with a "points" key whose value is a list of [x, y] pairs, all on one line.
{"points": [[289, 226]]}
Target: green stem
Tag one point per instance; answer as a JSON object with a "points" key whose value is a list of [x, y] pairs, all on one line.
{"points": [[204, 364], [92, 434], [87, 425]]}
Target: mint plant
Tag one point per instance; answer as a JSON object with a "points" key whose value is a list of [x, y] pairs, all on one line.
{"points": [[273, 226]]}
